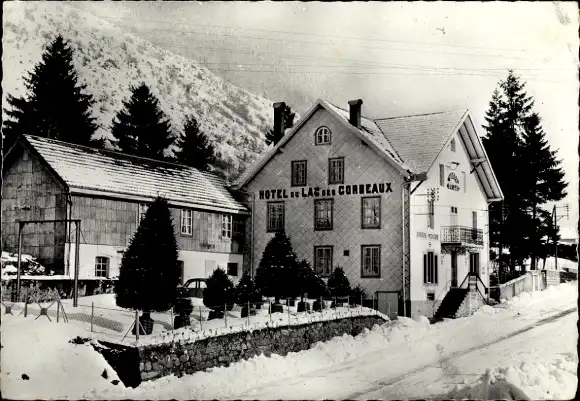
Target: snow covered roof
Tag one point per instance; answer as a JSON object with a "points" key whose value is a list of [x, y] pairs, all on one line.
{"points": [[89, 171], [369, 133], [410, 143]]}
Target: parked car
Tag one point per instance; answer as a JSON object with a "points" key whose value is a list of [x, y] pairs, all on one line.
{"points": [[192, 288]]}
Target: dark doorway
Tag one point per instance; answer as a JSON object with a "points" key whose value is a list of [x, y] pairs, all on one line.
{"points": [[453, 269]]}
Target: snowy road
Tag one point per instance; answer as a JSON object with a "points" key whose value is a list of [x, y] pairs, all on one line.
{"points": [[453, 353]]}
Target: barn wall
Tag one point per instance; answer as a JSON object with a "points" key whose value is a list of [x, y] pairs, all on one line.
{"points": [[31, 192]]}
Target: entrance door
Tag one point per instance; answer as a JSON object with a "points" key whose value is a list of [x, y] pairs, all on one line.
{"points": [[474, 263], [388, 303], [453, 269]]}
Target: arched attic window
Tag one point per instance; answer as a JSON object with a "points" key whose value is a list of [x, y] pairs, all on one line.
{"points": [[452, 145], [322, 136]]}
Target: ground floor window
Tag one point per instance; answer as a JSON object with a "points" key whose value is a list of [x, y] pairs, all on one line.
{"points": [[323, 260], [101, 266], [430, 264], [371, 261], [232, 269]]}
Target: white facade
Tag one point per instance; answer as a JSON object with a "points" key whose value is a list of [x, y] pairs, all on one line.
{"points": [[195, 264], [457, 203]]}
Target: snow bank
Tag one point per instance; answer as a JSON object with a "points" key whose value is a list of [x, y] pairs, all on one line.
{"points": [[260, 370], [565, 293], [56, 369], [541, 380]]}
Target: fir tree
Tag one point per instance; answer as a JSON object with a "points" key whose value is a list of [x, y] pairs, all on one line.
{"points": [[542, 178], [149, 269], [289, 115], [277, 271], [219, 291], [55, 105], [195, 149], [141, 128], [309, 283], [338, 285], [246, 290]]}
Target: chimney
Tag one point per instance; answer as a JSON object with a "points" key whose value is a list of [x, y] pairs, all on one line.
{"points": [[279, 123], [355, 112]]}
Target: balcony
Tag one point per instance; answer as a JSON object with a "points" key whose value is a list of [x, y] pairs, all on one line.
{"points": [[461, 236]]}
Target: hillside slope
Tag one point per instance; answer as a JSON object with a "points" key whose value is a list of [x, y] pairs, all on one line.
{"points": [[109, 60]]}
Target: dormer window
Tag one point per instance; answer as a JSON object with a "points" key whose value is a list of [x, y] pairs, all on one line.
{"points": [[452, 145], [322, 136]]}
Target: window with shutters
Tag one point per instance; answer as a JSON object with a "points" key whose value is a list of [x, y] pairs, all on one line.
{"points": [[430, 267], [371, 261], [275, 216], [299, 173], [323, 260], [336, 170], [323, 209], [186, 222], [101, 266], [371, 212]]}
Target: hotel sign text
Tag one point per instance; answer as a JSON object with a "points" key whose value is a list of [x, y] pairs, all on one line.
{"points": [[307, 192]]}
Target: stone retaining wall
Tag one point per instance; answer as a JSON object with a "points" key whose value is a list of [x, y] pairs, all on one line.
{"points": [[155, 361]]}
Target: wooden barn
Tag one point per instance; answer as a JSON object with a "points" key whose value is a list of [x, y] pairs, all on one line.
{"points": [[399, 203], [109, 192]]}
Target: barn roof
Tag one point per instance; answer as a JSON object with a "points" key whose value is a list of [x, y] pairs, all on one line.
{"points": [[90, 171]]}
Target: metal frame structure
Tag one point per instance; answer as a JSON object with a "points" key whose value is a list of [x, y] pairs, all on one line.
{"points": [[23, 223]]}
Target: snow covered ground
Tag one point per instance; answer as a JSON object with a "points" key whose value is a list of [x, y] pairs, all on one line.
{"points": [[526, 345]]}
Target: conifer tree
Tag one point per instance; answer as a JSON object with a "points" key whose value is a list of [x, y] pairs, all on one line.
{"points": [[246, 290], [527, 170], [219, 291], [55, 105], [277, 271], [149, 272], [543, 179], [289, 115], [141, 128], [338, 284], [195, 149]]}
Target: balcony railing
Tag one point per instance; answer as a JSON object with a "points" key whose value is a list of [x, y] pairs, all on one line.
{"points": [[461, 235]]}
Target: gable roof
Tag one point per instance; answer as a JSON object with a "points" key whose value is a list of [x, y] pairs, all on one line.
{"points": [[369, 133], [410, 143], [419, 138], [90, 171]]}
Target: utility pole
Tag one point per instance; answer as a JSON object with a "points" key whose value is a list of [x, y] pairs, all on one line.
{"points": [[556, 219]]}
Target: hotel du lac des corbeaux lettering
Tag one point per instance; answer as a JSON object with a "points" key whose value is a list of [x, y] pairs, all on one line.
{"points": [[340, 190]]}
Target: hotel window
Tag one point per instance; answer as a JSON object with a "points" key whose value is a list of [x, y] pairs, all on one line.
{"points": [[336, 170], [322, 136], [141, 212], [323, 214], [430, 268], [430, 213], [186, 221], [299, 173], [371, 212], [323, 260], [232, 269], [226, 226], [371, 261], [442, 175], [275, 216], [101, 266], [452, 145]]}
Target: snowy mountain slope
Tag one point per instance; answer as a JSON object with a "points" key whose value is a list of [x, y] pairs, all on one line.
{"points": [[109, 60]]}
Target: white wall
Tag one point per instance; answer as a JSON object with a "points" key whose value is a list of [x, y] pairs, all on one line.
{"points": [[470, 198], [194, 263]]}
